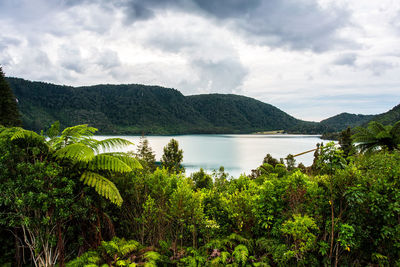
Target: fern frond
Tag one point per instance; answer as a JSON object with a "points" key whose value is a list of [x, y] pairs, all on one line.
{"points": [[127, 247], [240, 254], [152, 256], [108, 163], [225, 256], [112, 143], [238, 238], [76, 152], [27, 135], [127, 159], [375, 127], [78, 131], [103, 186]]}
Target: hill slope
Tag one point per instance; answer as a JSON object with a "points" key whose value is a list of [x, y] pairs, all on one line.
{"points": [[344, 120], [134, 109], [390, 117], [137, 109]]}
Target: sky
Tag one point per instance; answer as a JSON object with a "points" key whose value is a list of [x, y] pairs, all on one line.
{"points": [[311, 58]]}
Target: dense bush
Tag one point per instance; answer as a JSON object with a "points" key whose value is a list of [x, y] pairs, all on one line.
{"points": [[346, 213]]}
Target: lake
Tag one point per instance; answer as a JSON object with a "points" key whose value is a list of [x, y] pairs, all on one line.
{"points": [[237, 153]]}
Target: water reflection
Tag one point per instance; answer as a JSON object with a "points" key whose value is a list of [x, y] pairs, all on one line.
{"points": [[237, 153]]}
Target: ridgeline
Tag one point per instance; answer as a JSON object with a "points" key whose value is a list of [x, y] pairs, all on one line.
{"points": [[137, 109]]}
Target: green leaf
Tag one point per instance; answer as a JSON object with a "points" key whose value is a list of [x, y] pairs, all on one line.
{"points": [[76, 152], [108, 163], [103, 186]]}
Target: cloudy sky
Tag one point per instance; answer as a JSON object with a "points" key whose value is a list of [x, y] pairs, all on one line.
{"points": [[310, 58]]}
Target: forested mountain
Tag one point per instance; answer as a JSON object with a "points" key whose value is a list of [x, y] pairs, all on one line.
{"points": [[389, 117], [344, 120], [137, 109]]}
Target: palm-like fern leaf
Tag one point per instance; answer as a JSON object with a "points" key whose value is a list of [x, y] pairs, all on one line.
{"points": [[110, 143], [375, 128], [127, 159], [103, 186], [19, 133], [108, 163], [76, 152], [78, 131]]}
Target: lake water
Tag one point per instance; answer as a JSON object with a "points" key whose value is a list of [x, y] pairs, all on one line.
{"points": [[237, 153]]}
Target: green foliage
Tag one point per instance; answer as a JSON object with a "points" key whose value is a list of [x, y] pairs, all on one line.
{"points": [[345, 214], [346, 142], [240, 254], [300, 230], [146, 155], [344, 120], [116, 252], [330, 159], [9, 114], [377, 136], [202, 179], [172, 157]]}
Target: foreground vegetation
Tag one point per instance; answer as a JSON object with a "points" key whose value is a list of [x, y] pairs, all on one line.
{"points": [[65, 200]]}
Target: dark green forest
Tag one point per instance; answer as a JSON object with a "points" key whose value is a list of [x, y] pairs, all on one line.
{"points": [[67, 201], [137, 109]]}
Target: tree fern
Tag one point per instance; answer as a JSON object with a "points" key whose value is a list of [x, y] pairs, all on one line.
{"points": [[76, 152], [108, 163], [126, 158], [110, 143], [376, 136], [103, 186], [19, 134]]}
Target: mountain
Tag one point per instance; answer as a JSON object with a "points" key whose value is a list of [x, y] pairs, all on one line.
{"points": [[136, 109], [390, 117], [343, 120]]}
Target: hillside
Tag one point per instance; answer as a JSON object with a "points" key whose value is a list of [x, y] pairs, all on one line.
{"points": [[344, 120], [390, 117], [136, 109]]}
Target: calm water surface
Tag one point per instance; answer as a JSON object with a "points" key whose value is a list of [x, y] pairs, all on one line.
{"points": [[237, 153]]}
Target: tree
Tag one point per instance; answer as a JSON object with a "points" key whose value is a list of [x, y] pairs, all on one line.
{"points": [[377, 136], [146, 154], [172, 157], [202, 179], [290, 162], [345, 142], [9, 115]]}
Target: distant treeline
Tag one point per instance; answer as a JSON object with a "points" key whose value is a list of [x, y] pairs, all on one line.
{"points": [[137, 109]]}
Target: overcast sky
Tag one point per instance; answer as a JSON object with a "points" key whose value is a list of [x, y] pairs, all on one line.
{"points": [[312, 59]]}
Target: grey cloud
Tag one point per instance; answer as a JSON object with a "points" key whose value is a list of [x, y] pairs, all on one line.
{"points": [[224, 76], [348, 59], [378, 67], [6, 41], [300, 25], [108, 59], [135, 11], [228, 8], [71, 59]]}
